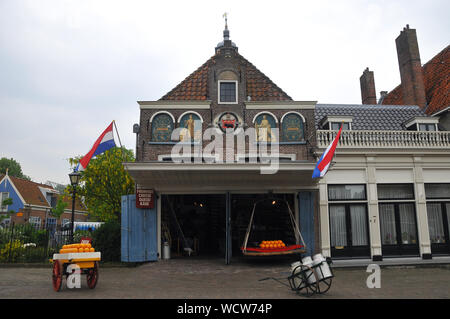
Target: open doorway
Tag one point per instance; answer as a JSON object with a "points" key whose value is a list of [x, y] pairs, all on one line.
{"points": [[196, 222], [271, 220]]}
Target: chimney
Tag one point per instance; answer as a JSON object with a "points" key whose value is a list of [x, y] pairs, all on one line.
{"points": [[382, 96], [411, 73], [367, 82]]}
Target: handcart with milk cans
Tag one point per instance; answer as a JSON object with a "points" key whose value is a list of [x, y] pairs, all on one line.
{"points": [[309, 276]]}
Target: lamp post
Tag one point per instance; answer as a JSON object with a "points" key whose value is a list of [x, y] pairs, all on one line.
{"points": [[74, 180]]}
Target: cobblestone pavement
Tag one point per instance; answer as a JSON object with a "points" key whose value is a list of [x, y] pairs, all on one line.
{"points": [[200, 278]]}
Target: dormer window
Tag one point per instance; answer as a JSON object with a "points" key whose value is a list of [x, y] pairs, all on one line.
{"points": [[422, 123], [334, 123], [335, 126], [228, 92]]}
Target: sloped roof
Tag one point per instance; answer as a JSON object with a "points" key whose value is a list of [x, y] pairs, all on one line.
{"points": [[32, 195], [30, 191], [195, 86], [436, 73], [370, 117]]}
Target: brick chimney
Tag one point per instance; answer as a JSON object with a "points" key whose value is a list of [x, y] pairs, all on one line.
{"points": [[367, 82], [411, 73]]}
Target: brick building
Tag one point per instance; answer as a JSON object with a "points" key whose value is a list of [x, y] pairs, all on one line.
{"points": [[427, 86], [375, 201], [32, 203]]}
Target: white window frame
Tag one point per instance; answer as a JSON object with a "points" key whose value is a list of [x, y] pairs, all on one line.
{"points": [[218, 91], [337, 119], [3, 209], [423, 120], [35, 221]]}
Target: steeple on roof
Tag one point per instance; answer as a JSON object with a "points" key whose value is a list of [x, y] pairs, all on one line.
{"points": [[226, 36], [197, 85]]}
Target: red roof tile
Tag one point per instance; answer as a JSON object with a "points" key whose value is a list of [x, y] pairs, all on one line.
{"points": [[436, 74], [195, 86], [32, 195]]}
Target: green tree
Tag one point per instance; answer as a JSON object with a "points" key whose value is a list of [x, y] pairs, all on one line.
{"points": [[104, 182], [58, 210], [14, 168], [6, 202]]}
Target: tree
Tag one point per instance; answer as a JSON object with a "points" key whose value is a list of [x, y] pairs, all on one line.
{"points": [[14, 168], [58, 210], [6, 202], [104, 182]]}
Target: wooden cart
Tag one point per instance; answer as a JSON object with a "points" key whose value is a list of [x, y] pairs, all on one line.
{"points": [[88, 262]]}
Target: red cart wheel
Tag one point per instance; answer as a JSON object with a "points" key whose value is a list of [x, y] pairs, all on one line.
{"points": [[92, 276], [57, 276]]}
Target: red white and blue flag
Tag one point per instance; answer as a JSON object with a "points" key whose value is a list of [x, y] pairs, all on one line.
{"points": [[104, 142], [325, 160]]}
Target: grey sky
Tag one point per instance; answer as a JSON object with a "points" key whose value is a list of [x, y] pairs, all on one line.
{"points": [[68, 68]]}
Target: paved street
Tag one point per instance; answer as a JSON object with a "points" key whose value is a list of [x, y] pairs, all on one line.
{"points": [[198, 278]]}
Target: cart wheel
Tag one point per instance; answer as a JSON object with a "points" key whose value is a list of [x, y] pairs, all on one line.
{"points": [[92, 276], [57, 275], [303, 280], [324, 285]]}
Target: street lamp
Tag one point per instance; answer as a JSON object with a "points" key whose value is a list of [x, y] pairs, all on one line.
{"points": [[74, 180]]}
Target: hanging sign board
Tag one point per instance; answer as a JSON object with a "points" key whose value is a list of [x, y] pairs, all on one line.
{"points": [[145, 198]]}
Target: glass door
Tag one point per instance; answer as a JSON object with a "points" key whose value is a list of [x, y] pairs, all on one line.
{"points": [[349, 230], [438, 225], [398, 229]]}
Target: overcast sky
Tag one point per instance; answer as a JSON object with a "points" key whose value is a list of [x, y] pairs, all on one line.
{"points": [[68, 68]]}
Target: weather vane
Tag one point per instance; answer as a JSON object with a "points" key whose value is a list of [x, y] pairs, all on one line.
{"points": [[225, 15]]}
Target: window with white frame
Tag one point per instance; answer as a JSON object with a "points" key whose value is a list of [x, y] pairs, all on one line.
{"points": [[334, 122], [51, 223], [228, 92], [422, 123], [35, 221], [3, 196]]}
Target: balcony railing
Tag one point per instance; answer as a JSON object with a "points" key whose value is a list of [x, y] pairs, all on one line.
{"points": [[386, 139]]}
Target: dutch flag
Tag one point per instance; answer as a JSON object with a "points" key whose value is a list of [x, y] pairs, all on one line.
{"points": [[102, 144], [325, 160]]}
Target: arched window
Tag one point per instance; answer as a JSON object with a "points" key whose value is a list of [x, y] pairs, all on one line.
{"points": [[265, 122], [192, 123], [292, 127], [162, 127]]}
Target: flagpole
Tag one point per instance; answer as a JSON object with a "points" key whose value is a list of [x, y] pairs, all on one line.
{"points": [[118, 136]]}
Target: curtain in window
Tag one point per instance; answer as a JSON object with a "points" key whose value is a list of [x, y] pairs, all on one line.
{"points": [[336, 192], [435, 223], [447, 208], [338, 229], [387, 221], [408, 223], [358, 218], [395, 191], [437, 190]]}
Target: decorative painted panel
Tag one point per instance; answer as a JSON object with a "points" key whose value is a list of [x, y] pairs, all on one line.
{"points": [[264, 123], [292, 128], [162, 127], [191, 123]]}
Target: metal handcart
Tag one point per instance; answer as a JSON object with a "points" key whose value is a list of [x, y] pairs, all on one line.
{"points": [[307, 279]]}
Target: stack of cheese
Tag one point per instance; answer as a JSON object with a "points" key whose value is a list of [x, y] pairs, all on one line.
{"points": [[77, 248], [272, 244]]}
